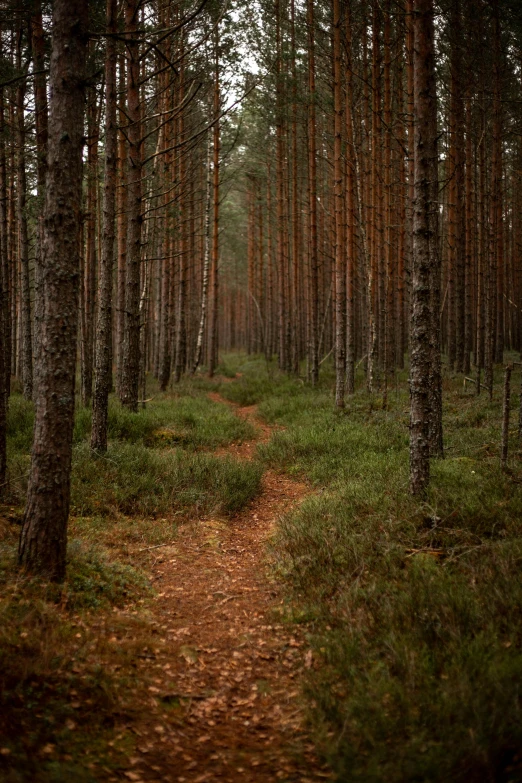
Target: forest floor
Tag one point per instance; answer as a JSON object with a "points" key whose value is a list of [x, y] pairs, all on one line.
{"points": [[253, 594], [200, 682], [225, 703]]}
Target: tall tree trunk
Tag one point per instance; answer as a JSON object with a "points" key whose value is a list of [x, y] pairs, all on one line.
{"points": [[181, 331], [25, 289], [4, 303], [43, 538], [424, 262], [130, 380], [87, 321], [206, 263], [312, 194], [121, 197], [340, 251], [350, 214], [103, 374], [41, 122], [213, 331]]}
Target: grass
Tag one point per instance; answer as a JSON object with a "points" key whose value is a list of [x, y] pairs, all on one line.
{"points": [[58, 700], [414, 609], [64, 684]]}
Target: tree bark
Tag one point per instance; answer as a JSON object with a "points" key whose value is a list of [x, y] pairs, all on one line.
{"points": [[424, 262], [103, 374], [340, 251], [25, 289], [130, 380], [213, 331], [43, 538]]}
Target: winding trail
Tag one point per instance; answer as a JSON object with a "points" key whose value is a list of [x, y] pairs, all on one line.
{"points": [[224, 699]]}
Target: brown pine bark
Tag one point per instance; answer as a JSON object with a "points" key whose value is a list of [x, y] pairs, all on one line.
{"points": [[91, 256], [103, 370], [121, 201], [296, 244], [389, 244], [181, 335], [5, 309], [350, 212], [130, 379], [206, 263], [4, 303], [41, 123], [339, 209], [43, 538], [21, 213], [375, 280], [497, 224], [470, 259], [313, 315], [214, 279]]}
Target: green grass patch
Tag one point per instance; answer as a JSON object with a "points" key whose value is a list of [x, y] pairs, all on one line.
{"points": [[138, 481], [414, 609], [68, 653], [186, 419]]}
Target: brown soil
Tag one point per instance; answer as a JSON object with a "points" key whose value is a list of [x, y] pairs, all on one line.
{"points": [[224, 702]]}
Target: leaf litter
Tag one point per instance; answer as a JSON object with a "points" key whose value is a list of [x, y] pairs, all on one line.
{"points": [[224, 700]]}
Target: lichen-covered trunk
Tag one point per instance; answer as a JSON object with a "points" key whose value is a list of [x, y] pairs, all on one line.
{"points": [[43, 538]]}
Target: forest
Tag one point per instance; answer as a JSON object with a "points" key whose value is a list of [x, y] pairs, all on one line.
{"points": [[260, 391]]}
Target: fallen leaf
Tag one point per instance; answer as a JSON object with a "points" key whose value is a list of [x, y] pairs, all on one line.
{"points": [[188, 653]]}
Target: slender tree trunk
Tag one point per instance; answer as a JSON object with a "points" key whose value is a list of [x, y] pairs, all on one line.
{"points": [[181, 333], [312, 191], [25, 289], [41, 122], [102, 384], [43, 538], [122, 227], [421, 356], [5, 266], [340, 251], [206, 263], [213, 332], [4, 303], [350, 213], [89, 278], [129, 390]]}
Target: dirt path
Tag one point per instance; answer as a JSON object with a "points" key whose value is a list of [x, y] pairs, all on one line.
{"points": [[224, 703]]}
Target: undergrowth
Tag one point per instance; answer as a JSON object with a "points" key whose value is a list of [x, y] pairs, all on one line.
{"points": [[415, 606], [68, 652]]}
